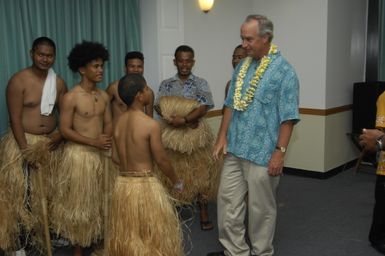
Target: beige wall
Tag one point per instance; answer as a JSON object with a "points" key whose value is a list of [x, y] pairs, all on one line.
{"points": [[346, 47], [318, 143], [300, 31], [307, 145], [215, 123], [323, 39], [339, 148], [321, 143]]}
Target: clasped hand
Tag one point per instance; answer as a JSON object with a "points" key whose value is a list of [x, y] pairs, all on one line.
{"points": [[368, 139], [103, 141]]}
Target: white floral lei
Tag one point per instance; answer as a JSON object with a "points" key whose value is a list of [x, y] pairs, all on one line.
{"points": [[241, 103]]}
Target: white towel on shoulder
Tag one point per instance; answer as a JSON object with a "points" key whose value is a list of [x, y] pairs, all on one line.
{"points": [[48, 97]]}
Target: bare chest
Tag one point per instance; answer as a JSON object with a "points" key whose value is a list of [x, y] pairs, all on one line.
{"points": [[90, 105], [32, 96]]}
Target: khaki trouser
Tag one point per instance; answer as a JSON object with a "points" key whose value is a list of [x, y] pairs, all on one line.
{"points": [[241, 179]]}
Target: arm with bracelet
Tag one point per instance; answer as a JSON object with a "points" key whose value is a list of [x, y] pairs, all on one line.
{"points": [[380, 121], [380, 143], [372, 139], [369, 139]]}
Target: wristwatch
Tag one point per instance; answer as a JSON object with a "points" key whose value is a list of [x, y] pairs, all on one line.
{"points": [[379, 143], [282, 149]]}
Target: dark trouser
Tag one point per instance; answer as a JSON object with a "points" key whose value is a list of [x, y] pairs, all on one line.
{"points": [[377, 230]]}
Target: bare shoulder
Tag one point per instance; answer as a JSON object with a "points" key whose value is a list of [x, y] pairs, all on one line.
{"points": [[75, 90], [151, 91], [112, 87], [60, 83], [19, 78], [152, 124], [104, 95], [70, 96]]}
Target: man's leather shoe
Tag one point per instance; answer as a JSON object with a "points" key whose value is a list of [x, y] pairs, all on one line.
{"points": [[380, 247], [221, 253]]}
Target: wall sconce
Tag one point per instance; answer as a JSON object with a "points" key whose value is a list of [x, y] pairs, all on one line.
{"points": [[206, 5]]}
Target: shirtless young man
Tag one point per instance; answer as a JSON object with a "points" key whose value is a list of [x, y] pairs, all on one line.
{"points": [[24, 95], [85, 122], [31, 111], [134, 64], [138, 196]]}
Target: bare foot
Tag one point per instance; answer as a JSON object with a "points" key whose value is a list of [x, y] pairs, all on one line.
{"points": [[98, 252], [78, 251], [204, 216]]}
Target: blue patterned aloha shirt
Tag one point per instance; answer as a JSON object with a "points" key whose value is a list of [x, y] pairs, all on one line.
{"points": [[195, 88], [253, 133]]}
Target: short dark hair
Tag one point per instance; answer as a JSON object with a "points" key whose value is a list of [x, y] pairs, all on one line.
{"points": [[129, 86], [43, 40], [184, 48], [133, 55], [85, 52]]}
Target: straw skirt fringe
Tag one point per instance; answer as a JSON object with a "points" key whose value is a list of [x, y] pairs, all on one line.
{"points": [[143, 220], [183, 139], [190, 152], [77, 206], [8, 221], [199, 172], [15, 209]]}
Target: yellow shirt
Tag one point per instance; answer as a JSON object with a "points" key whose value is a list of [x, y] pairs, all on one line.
{"points": [[380, 124]]}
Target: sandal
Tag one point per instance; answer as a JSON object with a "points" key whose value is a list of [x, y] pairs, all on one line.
{"points": [[206, 225]]}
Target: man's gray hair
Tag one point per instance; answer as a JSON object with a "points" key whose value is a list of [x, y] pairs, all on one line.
{"points": [[265, 25]]}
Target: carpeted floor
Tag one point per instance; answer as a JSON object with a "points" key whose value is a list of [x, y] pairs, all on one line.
{"points": [[316, 217]]}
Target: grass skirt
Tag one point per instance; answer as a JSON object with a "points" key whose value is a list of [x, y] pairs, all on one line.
{"points": [[143, 220], [18, 208], [183, 139], [77, 206], [9, 230], [190, 152], [113, 173]]}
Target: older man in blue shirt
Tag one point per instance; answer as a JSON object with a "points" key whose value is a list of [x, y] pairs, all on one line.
{"points": [[260, 112]]}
